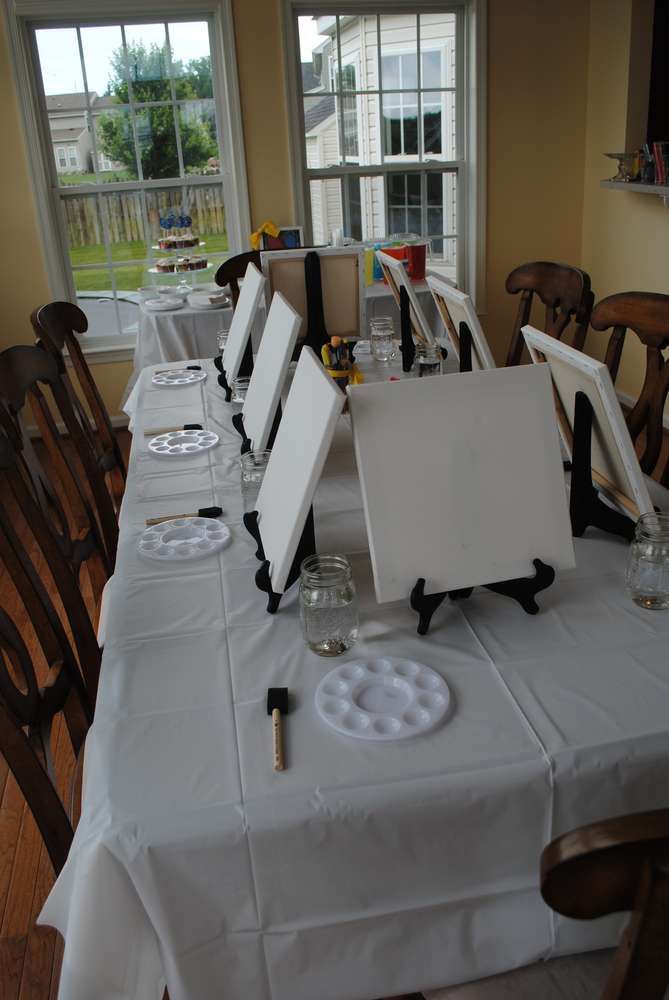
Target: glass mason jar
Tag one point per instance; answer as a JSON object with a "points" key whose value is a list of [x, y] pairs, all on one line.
{"points": [[429, 360], [254, 466], [647, 575], [382, 338], [328, 604], [240, 387]]}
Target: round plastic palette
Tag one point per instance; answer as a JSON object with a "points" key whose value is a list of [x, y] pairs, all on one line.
{"points": [[178, 376], [382, 699], [183, 538], [176, 443]]}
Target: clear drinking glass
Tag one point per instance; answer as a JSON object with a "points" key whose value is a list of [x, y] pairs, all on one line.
{"points": [[647, 575], [254, 465], [221, 340], [429, 360], [382, 338], [240, 386], [328, 604]]}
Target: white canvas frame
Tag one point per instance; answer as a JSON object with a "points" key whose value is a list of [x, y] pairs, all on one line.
{"points": [[296, 463], [269, 371], [242, 321], [270, 257], [396, 276], [484, 490], [615, 466], [456, 307]]}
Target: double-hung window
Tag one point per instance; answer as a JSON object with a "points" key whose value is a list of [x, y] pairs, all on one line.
{"points": [[386, 121], [149, 106]]}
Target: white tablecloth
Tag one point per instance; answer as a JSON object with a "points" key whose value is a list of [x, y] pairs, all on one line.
{"points": [[364, 870]]}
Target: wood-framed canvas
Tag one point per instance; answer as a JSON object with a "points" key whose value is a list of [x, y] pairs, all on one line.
{"points": [[457, 313], [242, 321], [269, 372], [300, 449], [342, 281], [289, 238], [395, 274], [485, 489], [615, 466]]}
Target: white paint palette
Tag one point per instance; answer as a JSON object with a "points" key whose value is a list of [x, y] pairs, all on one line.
{"points": [[461, 478], [382, 699], [179, 444], [456, 308], [183, 539], [178, 377], [242, 321], [296, 462], [269, 371]]}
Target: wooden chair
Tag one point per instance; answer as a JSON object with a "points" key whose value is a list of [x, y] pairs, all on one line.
{"points": [[19, 508], [23, 371], [610, 867], [647, 315], [233, 270], [27, 714], [564, 290], [56, 326]]}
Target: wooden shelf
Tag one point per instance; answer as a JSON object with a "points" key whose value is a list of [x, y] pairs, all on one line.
{"points": [[659, 190]]}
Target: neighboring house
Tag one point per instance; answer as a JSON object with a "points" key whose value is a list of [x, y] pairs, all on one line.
{"points": [[389, 122], [70, 135]]}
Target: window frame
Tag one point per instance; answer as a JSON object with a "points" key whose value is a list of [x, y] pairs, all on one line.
{"points": [[22, 17], [471, 137]]}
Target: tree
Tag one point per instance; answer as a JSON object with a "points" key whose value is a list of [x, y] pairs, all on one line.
{"points": [[149, 71]]}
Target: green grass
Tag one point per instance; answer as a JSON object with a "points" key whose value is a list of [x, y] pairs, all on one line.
{"points": [[128, 278]]}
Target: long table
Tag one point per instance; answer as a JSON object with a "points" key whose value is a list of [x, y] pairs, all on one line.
{"points": [[363, 870]]}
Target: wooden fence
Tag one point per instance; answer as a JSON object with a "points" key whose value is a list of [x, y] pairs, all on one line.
{"points": [[125, 214]]}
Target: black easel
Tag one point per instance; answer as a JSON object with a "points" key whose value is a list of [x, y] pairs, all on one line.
{"points": [[238, 424], [407, 346], [306, 547], [523, 589], [316, 334], [585, 505], [465, 337], [245, 369]]}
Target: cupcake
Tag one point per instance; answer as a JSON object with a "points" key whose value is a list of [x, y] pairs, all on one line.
{"points": [[165, 264]]}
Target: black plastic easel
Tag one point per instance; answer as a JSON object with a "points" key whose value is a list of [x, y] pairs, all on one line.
{"points": [[245, 369], [523, 589], [586, 508], [238, 424], [465, 338], [306, 547], [407, 346]]}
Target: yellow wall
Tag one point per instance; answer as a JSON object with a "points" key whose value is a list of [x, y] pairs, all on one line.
{"points": [[625, 235]]}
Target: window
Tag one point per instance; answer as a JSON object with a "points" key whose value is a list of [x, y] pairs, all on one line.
{"points": [[149, 106], [390, 154]]}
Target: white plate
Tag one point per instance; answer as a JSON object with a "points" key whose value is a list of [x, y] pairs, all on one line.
{"points": [[178, 376], [200, 300], [182, 443], [382, 699], [164, 304], [183, 539]]}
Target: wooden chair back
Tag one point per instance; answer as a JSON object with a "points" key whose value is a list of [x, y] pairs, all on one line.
{"points": [[56, 326], [565, 292], [610, 867], [27, 714], [647, 315], [23, 372], [233, 270], [22, 516]]}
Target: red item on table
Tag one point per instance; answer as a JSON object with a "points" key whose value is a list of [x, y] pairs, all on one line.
{"points": [[416, 253]]}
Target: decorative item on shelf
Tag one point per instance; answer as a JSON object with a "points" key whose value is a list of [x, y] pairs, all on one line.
{"points": [[328, 604], [337, 360], [648, 166], [647, 576], [625, 170], [661, 159]]}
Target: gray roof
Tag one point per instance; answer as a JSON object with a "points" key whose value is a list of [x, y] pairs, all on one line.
{"points": [[316, 112], [68, 102], [66, 134], [310, 79]]}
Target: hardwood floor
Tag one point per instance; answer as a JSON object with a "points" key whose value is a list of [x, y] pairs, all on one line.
{"points": [[30, 956]]}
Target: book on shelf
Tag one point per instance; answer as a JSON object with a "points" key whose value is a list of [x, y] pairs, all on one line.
{"points": [[661, 158]]}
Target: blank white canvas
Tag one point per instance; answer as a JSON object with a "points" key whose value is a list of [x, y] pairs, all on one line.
{"points": [[269, 371], [402, 280], [461, 478], [242, 321], [612, 451], [294, 469], [461, 310]]}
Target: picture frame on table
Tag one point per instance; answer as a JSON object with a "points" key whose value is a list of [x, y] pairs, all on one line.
{"points": [[457, 309], [615, 467], [289, 238]]}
